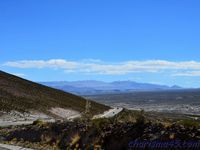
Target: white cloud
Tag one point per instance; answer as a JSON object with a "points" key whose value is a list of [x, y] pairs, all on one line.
{"points": [[52, 63], [108, 68], [188, 73]]}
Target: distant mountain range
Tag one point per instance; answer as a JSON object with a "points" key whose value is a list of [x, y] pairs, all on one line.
{"points": [[89, 87]]}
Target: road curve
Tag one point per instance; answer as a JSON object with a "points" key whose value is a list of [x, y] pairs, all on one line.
{"points": [[12, 147], [110, 113]]}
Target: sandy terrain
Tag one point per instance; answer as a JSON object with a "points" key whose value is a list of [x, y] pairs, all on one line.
{"points": [[17, 118], [67, 114]]}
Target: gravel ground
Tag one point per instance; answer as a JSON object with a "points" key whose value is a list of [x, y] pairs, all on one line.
{"points": [[17, 118]]}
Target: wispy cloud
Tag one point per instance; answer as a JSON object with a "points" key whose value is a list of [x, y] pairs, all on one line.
{"points": [[190, 68], [19, 74], [188, 73]]}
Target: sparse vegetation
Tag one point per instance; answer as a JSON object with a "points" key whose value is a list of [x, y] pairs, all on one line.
{"points": [[101, 122], [38, 122], [104, 133], [189, 122]]}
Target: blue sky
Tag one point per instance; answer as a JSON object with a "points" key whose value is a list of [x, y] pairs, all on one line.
{"points": [[145, 41]]}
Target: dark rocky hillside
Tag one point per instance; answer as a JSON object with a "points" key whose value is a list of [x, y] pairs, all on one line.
{"points": [[23, 95]]}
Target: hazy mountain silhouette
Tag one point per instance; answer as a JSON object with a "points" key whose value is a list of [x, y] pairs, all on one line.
{"points": [[97, 87]]}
